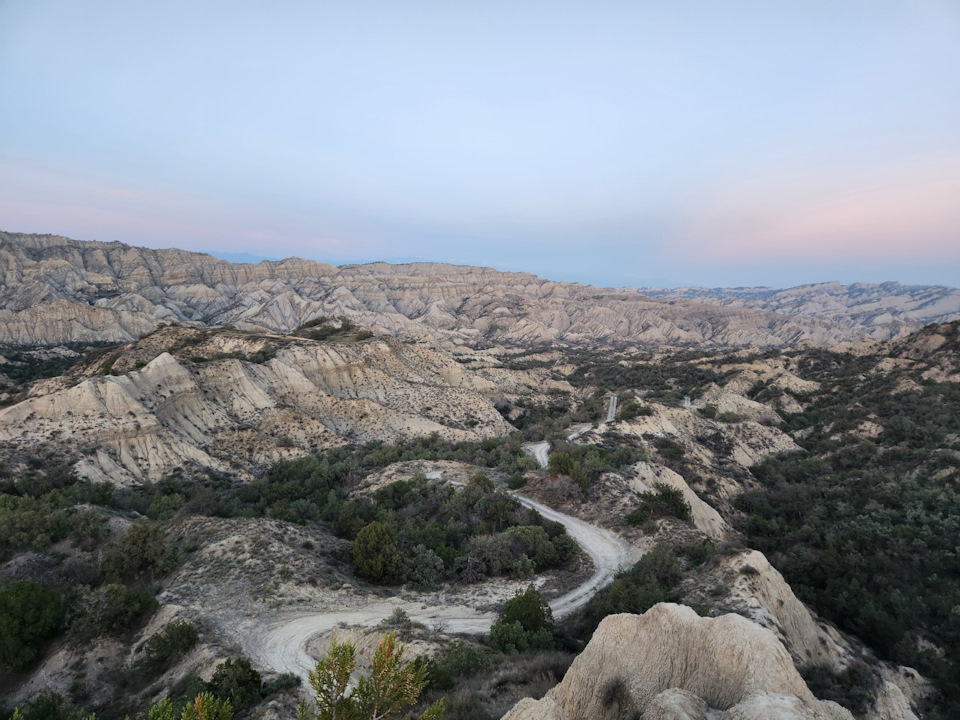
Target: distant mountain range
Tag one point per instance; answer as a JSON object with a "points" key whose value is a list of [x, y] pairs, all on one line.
{"points": [[55, 290], [860, 304]]}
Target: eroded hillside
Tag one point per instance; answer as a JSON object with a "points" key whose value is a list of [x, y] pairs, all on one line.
{"points": [[782, 506], [54, 290], [234, 402]]}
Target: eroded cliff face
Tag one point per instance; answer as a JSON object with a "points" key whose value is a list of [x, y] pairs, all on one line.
{"points": [[207, 405], [671, 663], [57, 290]]}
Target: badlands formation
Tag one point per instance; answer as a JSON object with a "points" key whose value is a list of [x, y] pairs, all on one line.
{"points": [[204, 378], [184, 398], [883, 305], [56, 290]]}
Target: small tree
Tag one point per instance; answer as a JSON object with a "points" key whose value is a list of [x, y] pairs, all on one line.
{"points": [[391, 685], [162, 710], [236, 680], [376, 555], [206, 706], [29, 614], [525, 622], [141, 553]]}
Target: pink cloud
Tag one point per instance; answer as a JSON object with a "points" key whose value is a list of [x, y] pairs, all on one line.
{"points": [[909, 211]]}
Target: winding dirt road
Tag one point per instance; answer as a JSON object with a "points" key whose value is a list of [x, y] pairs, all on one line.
{"points": [[281, 645], [539, 451]]}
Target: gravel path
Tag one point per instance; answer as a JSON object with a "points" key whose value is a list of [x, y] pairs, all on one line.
{"points": [[281, 645], [539, 451]]}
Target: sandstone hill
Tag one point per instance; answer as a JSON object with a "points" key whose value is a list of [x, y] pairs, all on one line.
{"points": [[234, 402], [885, 309], [55, 290], [670, 664]]}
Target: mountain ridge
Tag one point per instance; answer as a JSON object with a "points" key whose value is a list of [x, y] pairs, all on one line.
{"points": [[56, 290]]}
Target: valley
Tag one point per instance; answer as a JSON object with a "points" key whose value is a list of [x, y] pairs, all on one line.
{"points": [[212, 500]]}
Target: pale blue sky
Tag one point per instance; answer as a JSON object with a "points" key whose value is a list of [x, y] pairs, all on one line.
{"points": [[717, 143]]}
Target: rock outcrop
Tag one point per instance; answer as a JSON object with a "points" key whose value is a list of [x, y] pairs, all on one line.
{"points": [[705, 518], [671, 663]]}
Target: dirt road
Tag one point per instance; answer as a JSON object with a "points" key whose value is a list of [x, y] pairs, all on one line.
{"points": [[539, 451], [281, 645]]}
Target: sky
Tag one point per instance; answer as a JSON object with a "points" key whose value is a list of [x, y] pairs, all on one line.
{"points": [[616, 143]]}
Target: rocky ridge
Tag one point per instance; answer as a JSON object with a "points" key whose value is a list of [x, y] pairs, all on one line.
{"points": [[884, 308], [56, 290], [207, 404]]}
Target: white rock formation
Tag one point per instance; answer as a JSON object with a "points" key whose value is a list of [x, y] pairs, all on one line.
{"points": [[705, 518], [233, 414], [730, 663]]}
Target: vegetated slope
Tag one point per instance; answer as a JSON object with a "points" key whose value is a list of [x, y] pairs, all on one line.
{"points": [[54, 290], [232, 402], [736, 421], [864, 524], [884, 308]]}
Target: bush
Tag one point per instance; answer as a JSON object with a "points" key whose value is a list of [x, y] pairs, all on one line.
{"points": [[108, 610], [460, 661], [424, 568], [664, 501], [170, 644], [525, 622], [854, 688], [508, 637], [235, 680], [142, 553], [699, 553], [283, 681], [29, 614], [48, 706], [376, 556], [516, 481], [638, 589]]}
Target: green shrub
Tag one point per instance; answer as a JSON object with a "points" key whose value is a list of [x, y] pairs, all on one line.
{"points": [[516, 481], [461, 660], [854, 688], [49, 706], [376, 556], [525, 622], [164, 507], [638, 589], [424, 568], [283, 681], [700, 552], [236, 680], [729, 417], [508, 637], [108, 610], [140, 554], [29, 614], [171, 643], [663, 501]]}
